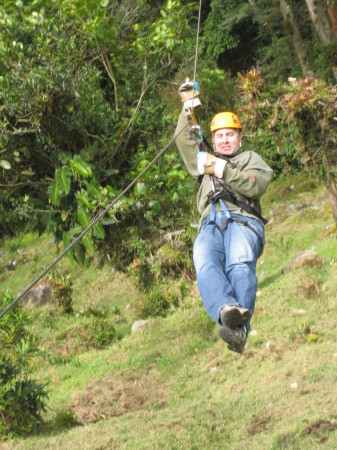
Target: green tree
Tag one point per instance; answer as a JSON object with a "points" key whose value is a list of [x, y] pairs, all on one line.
{"points": [[77, 126]]}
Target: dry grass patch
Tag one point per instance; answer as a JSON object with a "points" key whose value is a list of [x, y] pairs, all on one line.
{"points": [[118, 394], [320, 428]]}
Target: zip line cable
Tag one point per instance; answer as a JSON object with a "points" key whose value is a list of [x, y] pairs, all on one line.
{"points": [[197, 45], [91, 225], [103, 213], [196, 54]]}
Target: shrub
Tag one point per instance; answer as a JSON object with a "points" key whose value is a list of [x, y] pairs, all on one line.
{"points": [[154, 304], [100, 333], [161, 300], [22, 399], [61, 285], [65, 419]]}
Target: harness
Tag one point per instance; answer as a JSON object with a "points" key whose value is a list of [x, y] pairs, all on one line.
{"points": [[224, 194]]}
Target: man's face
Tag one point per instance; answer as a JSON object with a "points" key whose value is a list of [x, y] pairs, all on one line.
{"points": [[227, 140]]}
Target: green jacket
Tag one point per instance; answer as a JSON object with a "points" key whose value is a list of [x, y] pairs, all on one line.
{"points": [[247, 181]]}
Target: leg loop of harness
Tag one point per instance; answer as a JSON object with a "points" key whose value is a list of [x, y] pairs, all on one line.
{"points": [[246, 224], [212, 215], [214, 197]]}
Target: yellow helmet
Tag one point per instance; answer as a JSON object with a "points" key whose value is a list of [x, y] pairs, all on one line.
{"points": [[225, 120]]}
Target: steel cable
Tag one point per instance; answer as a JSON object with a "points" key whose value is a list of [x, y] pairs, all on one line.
{"points": [[103, 213], [91, 225]]}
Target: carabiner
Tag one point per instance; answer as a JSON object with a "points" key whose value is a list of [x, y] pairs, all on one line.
{"points": [[196, 134]]}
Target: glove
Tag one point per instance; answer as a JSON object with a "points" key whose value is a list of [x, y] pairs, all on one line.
{"points": [[210, 164], [189, 94]]}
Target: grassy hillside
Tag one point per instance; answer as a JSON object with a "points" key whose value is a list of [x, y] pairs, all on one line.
{"points": [[173, 384]]}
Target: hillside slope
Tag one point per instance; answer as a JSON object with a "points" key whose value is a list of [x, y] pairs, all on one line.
{"points": [[173, 384]]}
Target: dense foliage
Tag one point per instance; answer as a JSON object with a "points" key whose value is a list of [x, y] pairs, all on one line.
{"points": [[88, 98]]}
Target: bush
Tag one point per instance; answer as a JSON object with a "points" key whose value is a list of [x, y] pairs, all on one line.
{"points": [[170, 258], [22, 399], [154, 304], [162, 299], [61, 285], [65, 419], [100, 333]]}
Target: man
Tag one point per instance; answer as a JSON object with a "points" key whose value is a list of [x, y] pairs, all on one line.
{"points": [[231, 232]]}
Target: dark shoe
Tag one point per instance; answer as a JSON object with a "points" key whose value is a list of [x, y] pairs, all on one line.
{"points": [[235, 339], [233, 316]]}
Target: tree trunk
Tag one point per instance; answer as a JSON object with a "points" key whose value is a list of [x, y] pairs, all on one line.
{"points": [[319, 14], [333, 17], [298, 43], [331, 186]]}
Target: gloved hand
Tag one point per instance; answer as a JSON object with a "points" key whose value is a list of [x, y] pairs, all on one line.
{"points": [[189, 94], [210, 164]]}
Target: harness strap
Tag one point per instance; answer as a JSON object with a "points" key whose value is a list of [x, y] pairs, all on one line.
{"points": [[232, 219], [246, 224], [225, 210], [215, 196], [225, 195]]}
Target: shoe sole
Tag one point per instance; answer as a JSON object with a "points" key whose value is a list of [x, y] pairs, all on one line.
{"points": [[233, 318], [234, 343]]}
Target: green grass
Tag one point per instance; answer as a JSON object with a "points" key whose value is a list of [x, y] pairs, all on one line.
{"points": [[173, 384]]}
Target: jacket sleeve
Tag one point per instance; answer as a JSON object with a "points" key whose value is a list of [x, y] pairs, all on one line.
{"points": [[250, 178], [188, 149]]}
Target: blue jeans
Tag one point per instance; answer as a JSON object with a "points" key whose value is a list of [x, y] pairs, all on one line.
{"points": [[225, 255]]}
